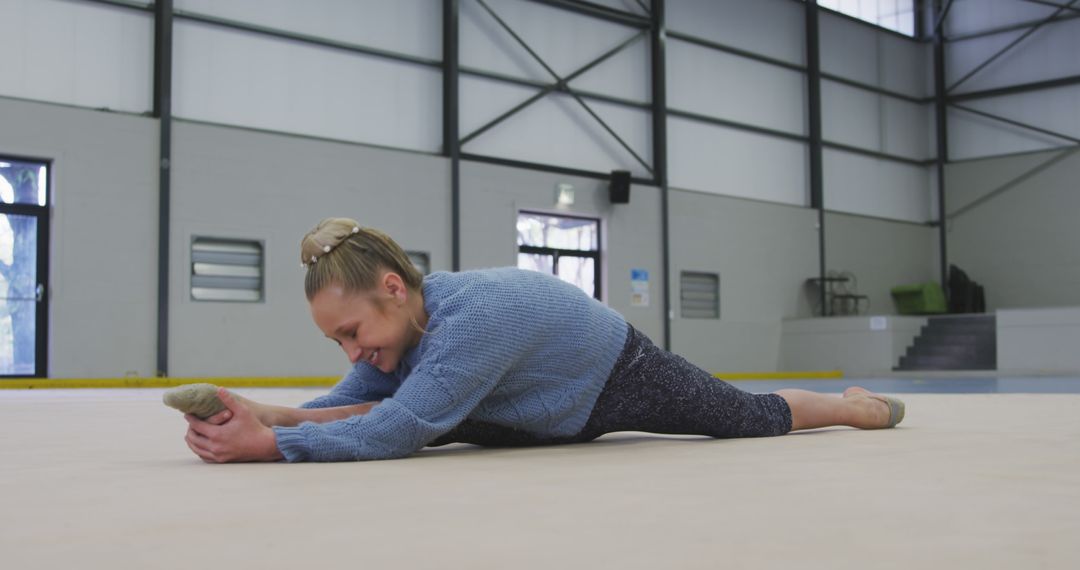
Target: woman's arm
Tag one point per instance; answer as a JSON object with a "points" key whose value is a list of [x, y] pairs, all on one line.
{"points": [[271, 415], [292, 417]]}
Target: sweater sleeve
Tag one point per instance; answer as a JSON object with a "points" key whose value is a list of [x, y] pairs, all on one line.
{"points": [[470, 351], [362, 384]]}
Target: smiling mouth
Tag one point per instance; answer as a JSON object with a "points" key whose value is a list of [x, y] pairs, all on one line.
{"points": [[374, 358]]}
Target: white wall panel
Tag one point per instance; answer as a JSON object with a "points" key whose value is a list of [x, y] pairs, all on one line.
{"points": [[77, 53], [774, 28], [244, 79], [564, 40], [726, 161], [970, 16], [555, 130], [103, 234], [412, 27], [862, 53], [229, 182], [1055, 110], [860, 118], [710, 82], [972, 136], [858, 184], [1020, 243], [1049, 53]]}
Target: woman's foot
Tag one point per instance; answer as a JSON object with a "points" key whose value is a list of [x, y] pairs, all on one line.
{"points": [[874, 411]]}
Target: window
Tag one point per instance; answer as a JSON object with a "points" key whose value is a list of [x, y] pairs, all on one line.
{"points": [[24, 266], [565, 246], [226, 270], [895, 15]]}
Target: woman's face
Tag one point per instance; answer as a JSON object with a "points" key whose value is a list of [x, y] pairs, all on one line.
{"points": [[373, 327]]}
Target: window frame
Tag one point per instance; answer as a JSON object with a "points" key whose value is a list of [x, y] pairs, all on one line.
{"points": [[556, 253], [43, 214]]}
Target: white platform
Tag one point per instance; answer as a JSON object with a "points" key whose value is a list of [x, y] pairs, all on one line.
{"points": [[1029, 341], [859, 346], [1045, 341]]}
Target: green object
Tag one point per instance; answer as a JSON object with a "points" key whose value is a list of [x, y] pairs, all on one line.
{"points": [[919, 299]]}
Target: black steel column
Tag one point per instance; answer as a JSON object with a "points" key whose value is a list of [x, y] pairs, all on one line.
{"points": [[451, 142], [163, 15], [941, 122], [813, 110], [659, 116]]}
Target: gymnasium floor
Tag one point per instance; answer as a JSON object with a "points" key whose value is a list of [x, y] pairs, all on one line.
{"points": [[981, 474]]}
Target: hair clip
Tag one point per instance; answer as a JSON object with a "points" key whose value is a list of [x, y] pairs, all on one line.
{"points": [[326, 248], [314, 259], [356, 229]]}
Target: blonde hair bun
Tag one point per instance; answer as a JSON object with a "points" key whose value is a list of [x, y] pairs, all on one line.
{"points": [[339, 251]]}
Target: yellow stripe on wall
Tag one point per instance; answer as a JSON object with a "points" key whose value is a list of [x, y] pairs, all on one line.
{"points": [[814, 375], [241, 382]]}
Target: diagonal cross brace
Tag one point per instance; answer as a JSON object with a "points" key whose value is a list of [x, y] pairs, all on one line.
{"points": [[1002, 51], [561, 83]]}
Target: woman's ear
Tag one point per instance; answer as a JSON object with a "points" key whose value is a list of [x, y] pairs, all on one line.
{"points": [[395, 287]]}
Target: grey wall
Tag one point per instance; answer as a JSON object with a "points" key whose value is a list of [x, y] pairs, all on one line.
{"points": [[763, 253], [1012, 227], [881, 254], [103, 233], [235, 183], [491, 197]]}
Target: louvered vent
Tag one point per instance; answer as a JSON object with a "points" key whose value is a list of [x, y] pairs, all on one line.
{"points": [[226, 270], [699, 295]]}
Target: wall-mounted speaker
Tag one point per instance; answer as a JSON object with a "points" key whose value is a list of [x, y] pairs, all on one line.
{"points": [[619, 187]]}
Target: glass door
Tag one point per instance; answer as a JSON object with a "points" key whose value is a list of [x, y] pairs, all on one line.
{"points": [[23, 266]]}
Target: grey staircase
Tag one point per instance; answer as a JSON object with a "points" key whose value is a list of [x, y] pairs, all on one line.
{"points": [[955, 342]]}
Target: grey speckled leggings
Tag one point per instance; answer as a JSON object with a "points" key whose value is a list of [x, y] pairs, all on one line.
{"points": [[653, 390]]}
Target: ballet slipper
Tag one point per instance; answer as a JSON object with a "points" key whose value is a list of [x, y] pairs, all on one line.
{"points": [[896, 409], [200, 400]]}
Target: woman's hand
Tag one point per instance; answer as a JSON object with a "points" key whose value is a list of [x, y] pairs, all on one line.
{"points": [[267, 414], [237, 436]]}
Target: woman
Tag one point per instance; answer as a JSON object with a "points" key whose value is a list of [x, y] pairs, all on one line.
{"points": [[490, 357]]}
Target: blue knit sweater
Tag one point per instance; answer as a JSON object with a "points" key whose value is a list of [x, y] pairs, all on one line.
{"points": [[507, 346]]}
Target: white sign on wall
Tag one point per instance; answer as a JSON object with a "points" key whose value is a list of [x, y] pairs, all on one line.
{"points": [[639, 288]]}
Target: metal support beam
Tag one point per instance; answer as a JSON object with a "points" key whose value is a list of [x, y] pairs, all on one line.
{"points": [[308, 39], [1010, 45], [940, 17], [1014, 89], [1017, 123], [451, 144], [1046, 3], [599, 11], [941, 124], [659, 129], [1008, 28], [163, 27], [813, 105]]}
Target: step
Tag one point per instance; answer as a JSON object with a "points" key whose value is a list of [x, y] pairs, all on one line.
{"points": [[954, 350], [954, 340], [944, 363], [964, 328], [959, 339]]}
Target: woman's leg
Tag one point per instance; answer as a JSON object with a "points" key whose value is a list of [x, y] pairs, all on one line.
{"points": [[653, 390], [856, 408]]}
